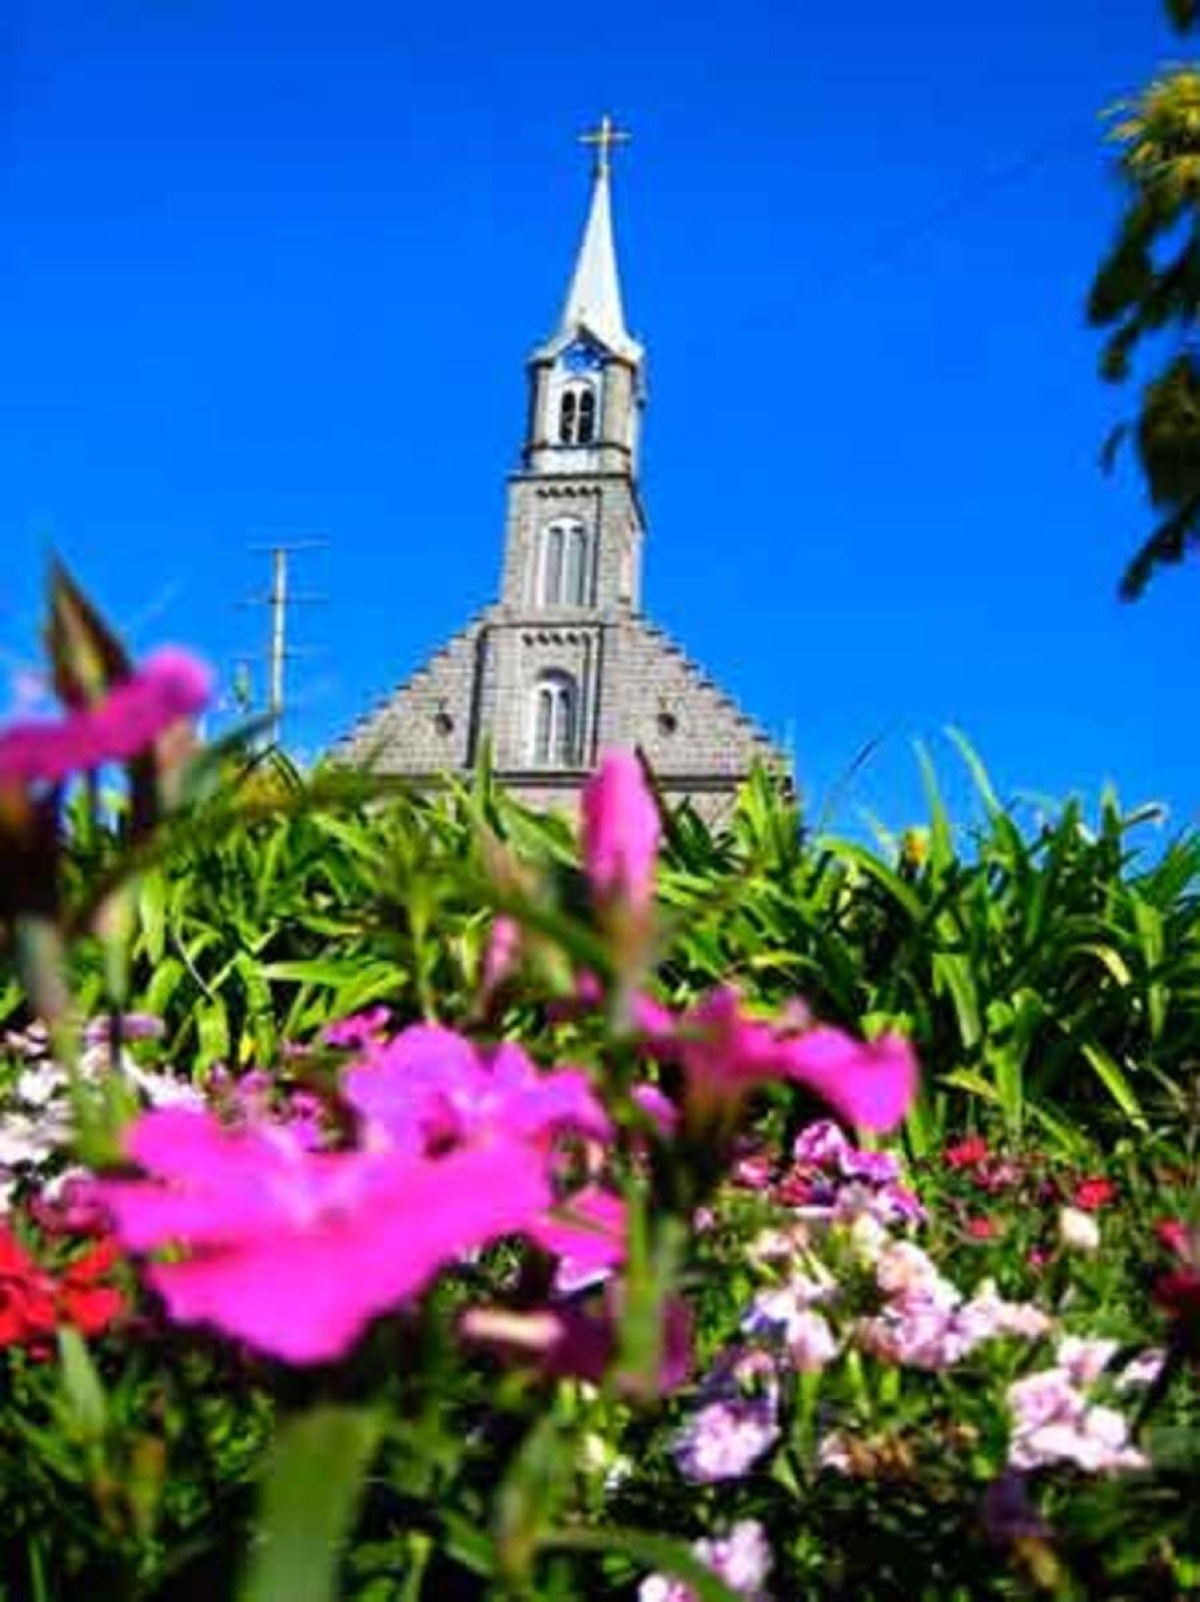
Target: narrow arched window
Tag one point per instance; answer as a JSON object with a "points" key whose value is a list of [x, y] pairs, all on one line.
{"points": [[563, 564], [568, 411], [575, 566], [553, 540], [555, 719], [577, 414], [587, 416]]}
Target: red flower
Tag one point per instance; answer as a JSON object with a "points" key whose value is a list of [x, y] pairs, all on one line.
{"points": [[980, 1228], [1179, 1293], [967, 1153], [33, 1306], [26, 1296], [795, 1190], [1094, 1193], [83, 1301]]}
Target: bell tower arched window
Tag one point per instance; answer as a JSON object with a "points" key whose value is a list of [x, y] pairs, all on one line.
{"points": [[577, 414], [562, 573], [555, 720]]}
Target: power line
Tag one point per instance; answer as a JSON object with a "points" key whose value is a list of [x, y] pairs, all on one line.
{"points": [[278, 600]]}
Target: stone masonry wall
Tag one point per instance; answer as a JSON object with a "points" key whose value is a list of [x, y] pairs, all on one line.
{"points": [[426, 725]]}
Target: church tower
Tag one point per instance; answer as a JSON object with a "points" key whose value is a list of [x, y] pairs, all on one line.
{"points": [[565, 664]]}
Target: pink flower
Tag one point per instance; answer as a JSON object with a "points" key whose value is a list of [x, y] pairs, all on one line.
{"points": [[501, 954], [726, 1053], [621, 830], [295, 1251], [981, 1228], [170, 686], [1173, 1234]]}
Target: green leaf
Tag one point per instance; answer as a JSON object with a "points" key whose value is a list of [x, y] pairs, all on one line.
{"points": [[308, 1503], [1113, 1078], [83, 1393]]}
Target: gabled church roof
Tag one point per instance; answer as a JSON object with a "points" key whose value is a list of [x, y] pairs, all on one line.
{"points": [[593, 303]]}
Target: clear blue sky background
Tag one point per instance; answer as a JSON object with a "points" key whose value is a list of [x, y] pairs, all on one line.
{"points": [[272, 269]]}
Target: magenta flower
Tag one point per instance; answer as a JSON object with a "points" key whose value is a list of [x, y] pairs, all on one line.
{"points": [[726, 1053], [588, 1236], [169, 686], [359, 1029], [659, 1108], [620, 831], [431, 1087], [295, 1251]]}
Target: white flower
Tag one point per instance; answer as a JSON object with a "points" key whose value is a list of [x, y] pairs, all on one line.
{"points": [[1078, 1231], [1144, 1369], [40, 1084], [1085, 1360]]}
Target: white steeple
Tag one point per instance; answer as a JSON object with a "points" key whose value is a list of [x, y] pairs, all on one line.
{"points": [[593, 302]]}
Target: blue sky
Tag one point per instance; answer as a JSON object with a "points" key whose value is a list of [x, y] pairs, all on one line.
{"points": [[272, 270]]}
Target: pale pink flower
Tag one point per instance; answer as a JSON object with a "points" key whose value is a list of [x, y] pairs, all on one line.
{"points": [[987, 1314], [1142, 1370], [1085, 1359], [724, 1440], [737, 1422], [810, 1342], [742, 1558], [295, 1252], [621, 829], [1053, 1422], [169, 686]]}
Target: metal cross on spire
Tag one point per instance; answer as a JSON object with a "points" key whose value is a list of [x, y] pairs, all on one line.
{"points": [[604, 138]]}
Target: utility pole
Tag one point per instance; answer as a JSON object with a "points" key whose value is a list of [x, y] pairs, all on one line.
{"points": [[279, 599]]}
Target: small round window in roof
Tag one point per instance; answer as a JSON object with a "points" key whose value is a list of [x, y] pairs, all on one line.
{"points": [[667, 722], [443, 723]]}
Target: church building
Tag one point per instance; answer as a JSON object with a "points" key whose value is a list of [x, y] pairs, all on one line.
{"points": [[566, 663]]}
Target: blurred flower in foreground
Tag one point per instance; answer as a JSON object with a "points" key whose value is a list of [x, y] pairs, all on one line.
{"points": [[295, 1251], [170, 685]]}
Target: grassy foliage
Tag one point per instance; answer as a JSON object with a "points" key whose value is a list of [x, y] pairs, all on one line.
{"points": [[1049, 974]]}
